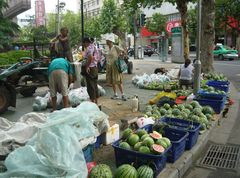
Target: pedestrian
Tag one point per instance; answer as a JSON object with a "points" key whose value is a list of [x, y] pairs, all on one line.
{"points": [[113, 76], [60, 45], [60, 77], [185, 74], [91, 70]]}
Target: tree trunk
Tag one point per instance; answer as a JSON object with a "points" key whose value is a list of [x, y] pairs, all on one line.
{"points": [[238, 42], [182, 8], [207, 35]]}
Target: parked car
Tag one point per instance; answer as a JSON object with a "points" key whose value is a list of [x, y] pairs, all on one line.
{"points": [[222, 52], [148, 50]]}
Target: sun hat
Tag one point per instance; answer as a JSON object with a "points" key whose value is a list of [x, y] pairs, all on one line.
{"points": [[110, 37]]}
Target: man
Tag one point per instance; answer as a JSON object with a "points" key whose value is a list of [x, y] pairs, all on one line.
{"points": [[91, 70], [61, 45], [60, 77]]}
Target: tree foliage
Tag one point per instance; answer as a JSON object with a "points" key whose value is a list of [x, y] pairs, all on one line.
{"points": [[192, 24], [113, 19], [8, 29], [93, 27], [157, 23]]}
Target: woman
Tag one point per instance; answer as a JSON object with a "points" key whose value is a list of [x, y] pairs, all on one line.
{"points": [[113, 76], [91, 70], [186, 74]]}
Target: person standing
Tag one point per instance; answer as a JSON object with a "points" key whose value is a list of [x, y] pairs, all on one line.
{"points": [[61, 45], [185, 74], [60, 77], [91, 70], [113, 76]]}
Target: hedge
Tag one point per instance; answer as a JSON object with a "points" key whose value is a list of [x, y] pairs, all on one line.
{"points": [[12, 57]]}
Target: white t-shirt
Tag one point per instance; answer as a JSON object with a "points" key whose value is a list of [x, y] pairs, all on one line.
{"points": [[186, 73]]}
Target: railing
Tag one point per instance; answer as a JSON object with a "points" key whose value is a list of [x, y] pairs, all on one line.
{"points": [[16, 7]]}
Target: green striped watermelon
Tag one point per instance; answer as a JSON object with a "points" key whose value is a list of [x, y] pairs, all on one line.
{"points": [[101, 171], [145, 171], [126, 171]]}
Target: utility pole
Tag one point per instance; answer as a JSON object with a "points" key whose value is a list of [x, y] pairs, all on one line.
{"points": [[58, 17], [197, 64], [82, 21]]}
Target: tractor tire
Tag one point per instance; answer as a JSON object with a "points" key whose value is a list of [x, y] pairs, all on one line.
{"points": [[4, 99], [130, 67], [28, 92]]}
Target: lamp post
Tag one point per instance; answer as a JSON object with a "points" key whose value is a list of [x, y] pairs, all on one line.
{"points": [[60, 5], [82, 22], [197, 64]]}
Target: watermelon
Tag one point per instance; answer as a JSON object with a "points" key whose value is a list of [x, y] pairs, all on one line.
{"points": [[176, 112], [162, 143], [163, 111], [207, 110], [144, 136], [167, 106], [209, 116], [133, 139], [155, 135], [144, 149], [189, 107], [126, 133], [197, 111], [126, 171], [181, 107], [125, 145], [148, 141], [141, 132], [145, 171], [101, 171], [168, 142], [157, 149], [137, 146]]}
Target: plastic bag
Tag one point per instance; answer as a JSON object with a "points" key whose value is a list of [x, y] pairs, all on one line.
{"points": [[76, 96], [142, 121], [40, 103]]}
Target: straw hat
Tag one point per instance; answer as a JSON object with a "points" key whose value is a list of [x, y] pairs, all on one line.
{"points": [[110, 37]]}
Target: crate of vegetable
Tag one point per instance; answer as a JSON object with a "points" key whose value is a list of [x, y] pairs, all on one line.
{"points": [[216, 104], [219, 94], [183, 125], [141, 148], [218, 86], [178, 140]]}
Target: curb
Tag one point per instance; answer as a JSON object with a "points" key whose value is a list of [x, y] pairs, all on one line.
{"points": [[179, 168]]}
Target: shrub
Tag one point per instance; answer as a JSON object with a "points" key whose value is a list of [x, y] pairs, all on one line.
{"points": [[12, 57]]}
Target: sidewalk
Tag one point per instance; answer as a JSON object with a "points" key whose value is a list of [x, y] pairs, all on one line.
{"points": [[120, 109]]}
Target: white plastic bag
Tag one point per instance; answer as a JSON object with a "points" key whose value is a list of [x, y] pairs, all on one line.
{"points": [[142, 121]]}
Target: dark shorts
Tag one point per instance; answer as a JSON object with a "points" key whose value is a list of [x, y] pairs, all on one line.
{"points": [[91, 80], [185, 82]]}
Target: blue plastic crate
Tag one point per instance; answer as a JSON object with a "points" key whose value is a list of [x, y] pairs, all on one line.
{"points": [[218, 86], [124, 156], [178, 139], [216, 104], [99, 142], [206, 95], [183, 125], [88, 153], [217, 82]]}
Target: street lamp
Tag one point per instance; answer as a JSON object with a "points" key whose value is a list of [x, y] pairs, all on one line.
{"points": [[82, 22], [60, 5], [197, 64]]}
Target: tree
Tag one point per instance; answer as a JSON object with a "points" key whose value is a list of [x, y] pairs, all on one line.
{"points": [[113, 20], [192, 25], [227, 16], [8, 29], [157, 23], [208, 35], [93, 27]]}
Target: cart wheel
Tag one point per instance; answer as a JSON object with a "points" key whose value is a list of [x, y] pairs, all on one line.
{"points": [[4, 99], [28, 91], [130, 67]]}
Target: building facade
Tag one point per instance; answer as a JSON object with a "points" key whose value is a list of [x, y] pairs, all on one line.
{"points": [[92, 8]]}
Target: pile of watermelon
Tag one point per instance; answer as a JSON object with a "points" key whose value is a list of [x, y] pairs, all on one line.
{"points": [[128, 171], [212, 90], [215, 76], [192, 111], [141, 141]]}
